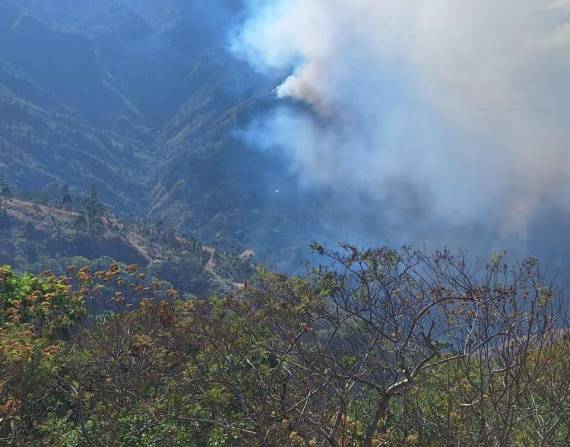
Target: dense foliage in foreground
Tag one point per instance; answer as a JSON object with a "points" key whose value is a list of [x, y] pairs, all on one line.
{"points": [[380, 348]]}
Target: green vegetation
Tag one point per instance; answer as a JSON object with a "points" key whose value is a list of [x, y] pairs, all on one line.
{"points": [[378, 348], [53, 231], [144, 320]]}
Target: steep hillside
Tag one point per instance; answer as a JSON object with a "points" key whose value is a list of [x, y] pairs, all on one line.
{"points": [[75, 101], [67, 65], [40, 146], [96, 17], [38, 237], [150, 107], [148, 50], [62, 120]]}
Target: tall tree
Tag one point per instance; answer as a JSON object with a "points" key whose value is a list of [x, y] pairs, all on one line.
{"points": [[93, 207], [66, 199], [5, 191]]}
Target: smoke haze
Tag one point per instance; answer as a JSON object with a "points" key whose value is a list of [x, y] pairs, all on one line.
{"points": [[437, 115]]}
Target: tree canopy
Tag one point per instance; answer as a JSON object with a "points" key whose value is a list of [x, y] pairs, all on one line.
{"points": [[373, 348]]}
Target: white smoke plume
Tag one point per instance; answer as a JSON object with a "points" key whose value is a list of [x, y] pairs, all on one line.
{"points": [[452, 111]]}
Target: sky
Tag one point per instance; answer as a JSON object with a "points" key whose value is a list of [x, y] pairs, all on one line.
{"points": [[447, 120]]}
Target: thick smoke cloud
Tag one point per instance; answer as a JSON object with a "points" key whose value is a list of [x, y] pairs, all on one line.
{"points": [[441, 114]]}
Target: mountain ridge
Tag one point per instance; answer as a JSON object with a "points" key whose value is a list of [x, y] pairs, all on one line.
{"points": [[163, 141], [40, 236]]}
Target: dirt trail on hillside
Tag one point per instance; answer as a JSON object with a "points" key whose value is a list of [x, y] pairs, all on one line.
{"points": [[211, 268], [211, 264], [36, 213]]}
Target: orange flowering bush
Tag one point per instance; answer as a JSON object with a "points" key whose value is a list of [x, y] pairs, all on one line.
{"points": [[45, 303], [36, 314]]}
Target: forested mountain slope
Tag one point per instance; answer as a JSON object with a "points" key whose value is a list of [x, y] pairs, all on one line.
{"points": [[40, 147], [40, 237], [147, 105]]}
